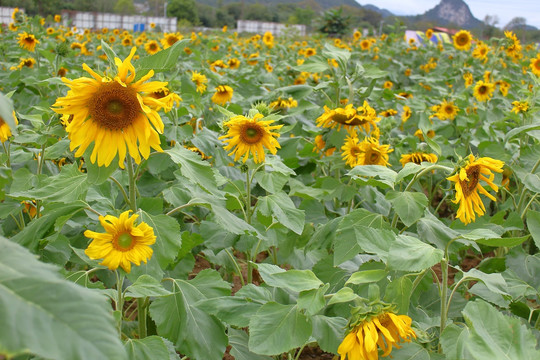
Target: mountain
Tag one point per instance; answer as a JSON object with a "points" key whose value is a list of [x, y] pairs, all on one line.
{"points": [[383, 12], [455, 12], [324, 4]]}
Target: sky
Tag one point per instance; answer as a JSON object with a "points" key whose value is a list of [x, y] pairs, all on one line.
{"points": [[506, 10]]}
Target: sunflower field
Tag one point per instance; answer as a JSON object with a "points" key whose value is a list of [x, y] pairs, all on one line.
{"points": [[218, 195]]}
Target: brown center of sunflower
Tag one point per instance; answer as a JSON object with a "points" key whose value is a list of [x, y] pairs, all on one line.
{"points": [[469, 186], [114, 106], [463, 40], [348, 120], [449, 109], [537, 64], [482, 90], [153, 46], [355, 151], [251, 133], [171, 40], [124, 242], [372, 157]]}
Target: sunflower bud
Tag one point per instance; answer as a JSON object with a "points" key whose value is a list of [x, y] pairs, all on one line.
{"points": [[62, 49]]}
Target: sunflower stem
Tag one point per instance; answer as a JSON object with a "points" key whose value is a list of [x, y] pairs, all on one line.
{"points": [[236, 266], [126, 197], [119, 300], [6, 149], [132, 188], [141, 316], [444, 292]]}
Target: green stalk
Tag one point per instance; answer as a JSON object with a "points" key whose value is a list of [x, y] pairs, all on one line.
{"points": [[236, 266], [141, 316], [119, 300], [132, 188], [444, 292]]}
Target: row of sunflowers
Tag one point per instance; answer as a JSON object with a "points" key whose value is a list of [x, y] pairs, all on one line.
{"points": [[220, 195]]}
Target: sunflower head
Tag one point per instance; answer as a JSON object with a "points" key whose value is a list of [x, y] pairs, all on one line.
{"points": [[27, 41], [200, 81], [418, 158], [366, 152], [5, 131], [535, 65], [250, 135], [483, 91], [462, 40], [222, 95], [152, 47]]}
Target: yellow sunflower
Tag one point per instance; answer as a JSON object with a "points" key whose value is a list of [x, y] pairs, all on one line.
{"points": [[483, 91], [116, 114], [222, 95], [233, 63], [169, 39], [152, 47], [385, 330], [27, 41], [365, 44], [5, 131], [388, 85], [122, 243], [247, 135], [420, 135], [468, 186], [429, 34], [480, 51], [462, 40], [283, 104], [57, 18], [535, 65], [418, 158], [406, 114], [468, 77], [25, 62], [367, 152], [268, 39], [520, 106], [364, 117], [166, 99], [200, 81], [447, 110]]}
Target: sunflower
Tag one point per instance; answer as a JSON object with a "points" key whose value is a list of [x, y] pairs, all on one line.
{"points": [[406, 114], [388, 113], [520, 106], [169, 39], [152, 25], [25, 62], [122, 243], [367, 152], [233, 63], [268, 39], [388, 85], [27, 41], [417, 158], [385, 330], [364, 117], [462, 40], [5, 131], [468, 186], [200, 81], [127, 41], [152, 47], [365, 44], [420, 135], [218, 64], [357, 35], [480, 51], [283, 104], [535, 65], [247, 135], [310, 52], [114, 113], [164, 96], [429, 34], [483, 91], [222, 95], [468, 77], [514, 46], [447, 110], [57, 18]]}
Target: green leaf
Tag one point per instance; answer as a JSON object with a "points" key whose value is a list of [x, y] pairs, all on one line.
{"points": [[494, 282], [40, 312], [294, 280], [411, 254], [98, 174], [282, 208], [238, 340], [312, 300], [521, 129], [532, 182], [233, 310], [366, 276], [277, 328], [193, 331], [66, 187], [372, 72], [433, 231], [344, 294], [398, 292], [144, 286], [494, 336], [313, 66], [503, 242], [453, 340], [386, 177], [272, 182], [408, 205], [328, 331], [533, 224], [432, 144], [411, 351], [6, 112], [230, 222], [193, 168], [331, 52], [168, 240], [164, 60], [210, 283], [151, 347]]}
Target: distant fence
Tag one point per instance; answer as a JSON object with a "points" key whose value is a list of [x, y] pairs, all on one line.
{"points": [[5, 14], [261, 27], [94, 20]]}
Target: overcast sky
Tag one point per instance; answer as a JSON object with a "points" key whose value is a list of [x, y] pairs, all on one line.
{"points": [[506, 10]]}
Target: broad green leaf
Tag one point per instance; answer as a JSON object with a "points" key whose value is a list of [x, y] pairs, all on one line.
{"points": [[230, 222], [110, 53], [238, 340], [329, 332], [408, 205], [152, 347], [312, 300], [99, 174], [533, 223], [398, 292], [503, 242], [40, 312], [432, 144], [331, 52], [494, 282], [210, 283], [411, 351], [233, 310], [433, 231], [193, 331], [385, 177], [66, 187], [532, 182], [144, 286], [520, 130], [375, 241], [410, 254], [283, 209], [6, 113], [453, 341], [189, 241], [164, 60], [272, 182], [168, 240], [193, 168], [277, 328], [296, 91], [494, 336], [366, 276], [372, 72], [294, 280], [344, 294], [313, 66]]}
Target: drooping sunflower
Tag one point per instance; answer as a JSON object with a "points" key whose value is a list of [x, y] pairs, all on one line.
{"points": [[385, 330], [367, 152], [535, 65], [164, 96], [5, 131], [483, 91], [122, 243], [200, 81], [25, 62], [467, 185], [222, 95], [152, 47], [418, 158], [250, 135], [462, 40], [283, 104], [116, 114], [27, 41], [364, 117]]}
